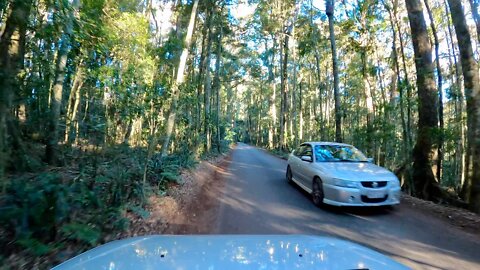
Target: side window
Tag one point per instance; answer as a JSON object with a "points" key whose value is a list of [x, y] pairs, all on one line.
{"points": [[308, 151], [299, 151]]}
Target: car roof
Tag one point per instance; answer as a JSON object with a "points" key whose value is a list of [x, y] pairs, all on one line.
{"points": [[326, 143]]}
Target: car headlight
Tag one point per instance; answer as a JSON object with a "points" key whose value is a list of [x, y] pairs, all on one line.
{"points": [[345, 183]]}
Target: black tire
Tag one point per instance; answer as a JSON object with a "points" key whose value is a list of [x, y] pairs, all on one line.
{"points": [[317, 192], [289, 175]]}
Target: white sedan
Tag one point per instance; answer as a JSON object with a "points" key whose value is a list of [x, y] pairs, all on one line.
{"points": [[339, 174]]}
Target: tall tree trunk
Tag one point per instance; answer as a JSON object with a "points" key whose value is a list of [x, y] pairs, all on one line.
{"points": [[217, 86], [336, 87], [201, 71], [369, 103], [460, 156], [320, 84], [408, 86], [399, 84], [207, 86], [321, 88], [440, 94], [51, 149], [294, 119], [300, 136], [424, 179], [12, 50], [73, 102], [271, 101], [284, 92], [180, 78], [472, 92]]}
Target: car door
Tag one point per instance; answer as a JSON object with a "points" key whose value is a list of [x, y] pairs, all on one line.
{"points": [[305, 167], [295, 160]]}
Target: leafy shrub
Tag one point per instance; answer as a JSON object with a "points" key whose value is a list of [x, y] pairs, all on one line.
{"points": [[83, 203], [164, 170], [42, 212]]}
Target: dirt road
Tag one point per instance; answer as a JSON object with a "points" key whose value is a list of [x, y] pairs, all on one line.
{"points": [[257, 199]]}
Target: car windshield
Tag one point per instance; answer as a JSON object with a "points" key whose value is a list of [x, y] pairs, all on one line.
{"points": [[329, 153]]}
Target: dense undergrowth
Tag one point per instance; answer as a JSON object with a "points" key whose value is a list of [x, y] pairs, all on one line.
{"points": [[49, 215]]}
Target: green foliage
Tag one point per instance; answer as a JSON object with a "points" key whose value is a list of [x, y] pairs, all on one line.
{"points": [[139, 211], [81, 232], [165, 170], [34, 205], [169, 176], [42, 211], [35, 246]]}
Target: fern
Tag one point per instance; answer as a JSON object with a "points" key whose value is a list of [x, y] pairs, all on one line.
{"points": [[81, 232]]}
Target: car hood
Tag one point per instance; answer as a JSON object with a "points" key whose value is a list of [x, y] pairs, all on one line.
{"points": [[231, 252], [361, 171]]}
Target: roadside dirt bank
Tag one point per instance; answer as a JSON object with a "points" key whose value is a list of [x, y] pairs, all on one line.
{"points": [[188, 208], [462, 218]]}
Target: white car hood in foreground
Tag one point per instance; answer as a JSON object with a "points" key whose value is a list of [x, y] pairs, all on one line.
{"points": [[361, 171], [224, 252]]}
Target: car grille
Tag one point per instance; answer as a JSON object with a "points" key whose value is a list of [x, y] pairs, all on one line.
{"points": [[370, 184], [365, 199]]}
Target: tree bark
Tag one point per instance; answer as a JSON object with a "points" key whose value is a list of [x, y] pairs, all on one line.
{"points": [[408, 86], [202, 67], [440, 94], [472, 92], [180, 78], [217, 87], [284, 94], [271, 101], [424, 179], [460, 156], [51, 149], [12, 50], [336, 87], [399, 84], [74, 102], [207, 86]]}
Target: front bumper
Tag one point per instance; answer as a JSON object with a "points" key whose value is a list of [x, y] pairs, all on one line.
{"points": [[343, 196]]}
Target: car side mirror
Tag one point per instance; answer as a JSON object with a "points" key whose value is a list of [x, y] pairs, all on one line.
{"points": [[306, 158], [370, 160]]}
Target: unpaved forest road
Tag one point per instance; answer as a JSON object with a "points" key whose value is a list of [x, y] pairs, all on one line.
{"points": [[257, 199]]}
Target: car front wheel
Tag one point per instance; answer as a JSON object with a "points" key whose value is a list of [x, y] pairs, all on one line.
{"points": [[317, 192], [289, 175]]}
